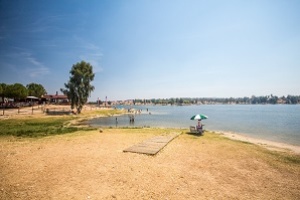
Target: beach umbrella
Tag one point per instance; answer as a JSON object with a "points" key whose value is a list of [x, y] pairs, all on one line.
{"points": [[199, 117]]}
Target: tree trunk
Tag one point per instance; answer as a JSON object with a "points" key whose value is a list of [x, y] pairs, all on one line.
{"points": [[79, 109]]}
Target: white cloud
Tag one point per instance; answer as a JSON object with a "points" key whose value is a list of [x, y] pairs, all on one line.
{"points": [[38, 70], [85, 44], [92, 53], [47, 23], [30, 64], [91, 46]]}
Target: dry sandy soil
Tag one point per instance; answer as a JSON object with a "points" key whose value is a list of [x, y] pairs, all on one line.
{"points": [[92, 165], [36, 111]]}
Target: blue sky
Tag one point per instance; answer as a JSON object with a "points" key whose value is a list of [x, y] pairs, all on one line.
{"points": [[154, 49]]}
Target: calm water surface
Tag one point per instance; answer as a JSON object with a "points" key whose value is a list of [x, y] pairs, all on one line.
{"points": [[280, 123]]}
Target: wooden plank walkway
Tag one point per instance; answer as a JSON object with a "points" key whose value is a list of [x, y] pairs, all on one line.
{"points": [[153, 145]]}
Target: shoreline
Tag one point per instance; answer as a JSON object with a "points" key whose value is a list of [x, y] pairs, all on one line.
{"points": [[271, 145], [268, 144], [80, 120]]}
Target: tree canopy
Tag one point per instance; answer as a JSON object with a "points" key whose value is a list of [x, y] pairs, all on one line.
{"points": [[16, 91], [35, 89], [2, 85], [79, 88], [268, 99]]}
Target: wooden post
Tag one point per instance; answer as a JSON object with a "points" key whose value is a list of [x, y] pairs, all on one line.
{"points": [[32, 110]]}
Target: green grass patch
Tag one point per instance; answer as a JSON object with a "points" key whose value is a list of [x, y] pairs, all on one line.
{"points": [[273, 157], [37, 127], [283, 157]]}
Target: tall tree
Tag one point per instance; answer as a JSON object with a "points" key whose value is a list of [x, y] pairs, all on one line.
{"points": [[35, 89], [16, 91], [2, 91], [2, 88], [79, 86]]}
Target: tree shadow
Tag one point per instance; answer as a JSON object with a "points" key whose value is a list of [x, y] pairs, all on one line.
{"points": [[59, 113]]}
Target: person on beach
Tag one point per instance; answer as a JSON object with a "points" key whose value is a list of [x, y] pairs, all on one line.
{"points": [[199, 126]]}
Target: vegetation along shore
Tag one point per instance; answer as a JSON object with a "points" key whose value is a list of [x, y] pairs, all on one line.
{"points": [[267, 99]]}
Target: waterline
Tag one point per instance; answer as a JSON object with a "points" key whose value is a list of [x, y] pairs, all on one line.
{"points": [[279, 123]]}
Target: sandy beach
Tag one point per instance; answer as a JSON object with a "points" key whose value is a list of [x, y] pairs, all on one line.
{"points": [[92, 165], [276, 146]]}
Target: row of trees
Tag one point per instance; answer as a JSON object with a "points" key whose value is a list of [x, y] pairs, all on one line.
{"points": [[78, 89], [17, 91], [269, 99]]}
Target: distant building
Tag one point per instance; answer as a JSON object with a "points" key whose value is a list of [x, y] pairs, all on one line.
{"points": [[56, 98]]}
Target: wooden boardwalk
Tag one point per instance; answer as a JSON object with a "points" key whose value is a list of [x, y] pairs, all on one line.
{"points": [[153, 145]]}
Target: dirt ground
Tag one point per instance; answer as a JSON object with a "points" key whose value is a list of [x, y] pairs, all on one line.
{"points": [[36, 111], [92, 165]]}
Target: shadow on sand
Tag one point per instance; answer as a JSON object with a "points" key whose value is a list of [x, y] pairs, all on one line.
{"points": [[195, 134]]}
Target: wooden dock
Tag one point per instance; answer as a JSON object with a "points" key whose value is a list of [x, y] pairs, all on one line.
{"points": [[153, 145]]}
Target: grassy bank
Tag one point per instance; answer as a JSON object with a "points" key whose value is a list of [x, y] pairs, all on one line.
{"points": [[37, 127], [273, 157], [50, 125]]}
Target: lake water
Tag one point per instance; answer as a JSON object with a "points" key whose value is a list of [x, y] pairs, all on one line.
{"points": [[279, 123]]}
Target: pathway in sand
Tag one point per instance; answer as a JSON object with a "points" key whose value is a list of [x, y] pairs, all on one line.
{"points": [[153, 145]]}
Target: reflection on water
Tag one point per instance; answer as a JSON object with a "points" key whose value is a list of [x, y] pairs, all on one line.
{"points": [[272, 122]]}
